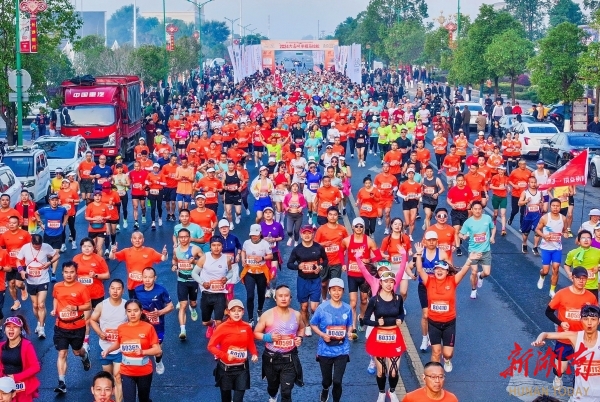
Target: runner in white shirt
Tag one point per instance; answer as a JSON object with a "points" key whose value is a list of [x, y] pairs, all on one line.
{"points": [[35, 259]]}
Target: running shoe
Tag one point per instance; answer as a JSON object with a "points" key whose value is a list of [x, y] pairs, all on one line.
{"points": [[379, 222], [251, 323], [381, 397], [552, 293], [295, 243], [392, 396], [424, 226], [106, 252], [271, 399], [289, 242], [17, 305], [63, 248], [37, 329], [73, 245], [353, 335], [86, 346], [231, 226], [62, 388], [248, 212], [524, 248], [209, 330], [193, 314], [448, 365], [509, 222], [268, 294], [87, 364], [52, 278], [124, 223], [410, 237], [307, 331], [324, 396], [479, 280], [503, 233], [458, 251], [136, 226], [118, 227], [143, 220], [570, 234], [424, 344], [540, 283], [352, 156], [536, 251], [473, 294], [237, 219], [557, 382], [371, 368], [418, 217], [361, 324], [182, 335], [159, 221], [41, 333], [177, 306], [153, 226], [160, 368]]}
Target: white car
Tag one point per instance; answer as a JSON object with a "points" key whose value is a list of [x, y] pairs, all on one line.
{"points": [[474, 108], [531, 134], [10, 184], [64, 152], [31, 167]]}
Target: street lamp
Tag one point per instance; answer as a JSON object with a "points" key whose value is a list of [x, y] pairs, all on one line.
{"points": [[244, 27], [232, 21], [199, 6]]}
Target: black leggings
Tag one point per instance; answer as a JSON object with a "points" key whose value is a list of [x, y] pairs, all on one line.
{"points": [[373, 144], [155, 203], [226, 396], [439, 158], [139, 384], [393, 377], [124, 203], [516, 209], [260, 282], [244, 195], [332, 371], [294, 221], [352, 143], [369, 225], [72, 231]]}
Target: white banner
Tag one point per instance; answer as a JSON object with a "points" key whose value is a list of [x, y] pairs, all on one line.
{"points": [[318, 59], [246, 60], [354, 71]]}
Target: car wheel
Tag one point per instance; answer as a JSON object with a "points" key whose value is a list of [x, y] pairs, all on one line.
{"points": [[594, 176]]}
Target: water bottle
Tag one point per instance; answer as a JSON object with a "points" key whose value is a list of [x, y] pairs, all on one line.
{"points": [[271, 243]]}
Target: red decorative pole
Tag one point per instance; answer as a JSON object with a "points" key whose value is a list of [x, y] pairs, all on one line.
{"points": [[171, 29], [31, 7]]}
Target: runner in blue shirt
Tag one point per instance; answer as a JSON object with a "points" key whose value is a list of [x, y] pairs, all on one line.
{"points": [[53, 220], [232, 247], [332, 322], [156, 302], [101, 173], [313, 180]]}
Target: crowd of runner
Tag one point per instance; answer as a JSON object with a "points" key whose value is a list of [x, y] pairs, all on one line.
{"points": [[303, 143]]}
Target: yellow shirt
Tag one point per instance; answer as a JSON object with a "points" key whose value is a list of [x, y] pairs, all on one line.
{"points": [[562, 193]]}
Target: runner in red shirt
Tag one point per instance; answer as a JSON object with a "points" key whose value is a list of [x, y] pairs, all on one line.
{"points": [[137, 178], [459, 199]]}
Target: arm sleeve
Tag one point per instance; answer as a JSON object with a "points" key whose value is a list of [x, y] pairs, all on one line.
{"points": [[551, 316], [369, 312], [196, 274], [292, 261]]}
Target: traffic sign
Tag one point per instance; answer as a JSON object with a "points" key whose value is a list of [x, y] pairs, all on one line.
{"points": [[25, 80], [12, 96]]}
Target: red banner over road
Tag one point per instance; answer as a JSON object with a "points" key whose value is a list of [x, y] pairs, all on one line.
{"points": [[573, 173]]}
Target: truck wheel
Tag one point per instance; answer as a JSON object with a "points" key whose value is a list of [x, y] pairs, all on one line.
{"points": [[594, 176]]}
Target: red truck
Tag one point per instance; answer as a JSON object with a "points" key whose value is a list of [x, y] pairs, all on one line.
{"points": [[106, 111]]}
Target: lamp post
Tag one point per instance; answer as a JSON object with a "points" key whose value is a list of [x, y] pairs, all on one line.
{"points": [[244, 27], [199, 6], [232, 21], [166, 61], [251, 33], [369, 49], [19, 77]]}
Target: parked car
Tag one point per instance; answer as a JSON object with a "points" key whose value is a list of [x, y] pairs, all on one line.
{"points": [[31, 167], [562, 147], [10, 184], [64, 152], [530, 135], [508, 121], [474, 108], [556, 115]]}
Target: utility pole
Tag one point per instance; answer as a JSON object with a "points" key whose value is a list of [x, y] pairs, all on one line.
{"points": [[458, 21], [251, 33], [166, 60], [134, 24], [19, 77], [232, 21], [199, 6], [244, 28]]}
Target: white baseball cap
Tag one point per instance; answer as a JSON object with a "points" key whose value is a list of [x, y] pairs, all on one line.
{"points": [[358, 221], [224, 223], [255, 229], [594, 212], [336, 282]]}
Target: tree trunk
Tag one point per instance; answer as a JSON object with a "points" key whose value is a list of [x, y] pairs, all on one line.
{"points": [[496, 86], [512, 89], [596, 102], [9, 117]]}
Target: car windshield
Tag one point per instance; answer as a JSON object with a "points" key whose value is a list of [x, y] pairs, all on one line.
{"points": [[542, 130], [21, 165], [473, 108], [527, 119], [88, 115], [585, 141], [58, 149]]}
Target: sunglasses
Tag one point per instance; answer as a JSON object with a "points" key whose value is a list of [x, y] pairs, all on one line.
{"points": [[359, 226], [441, 216], [388, 275]]}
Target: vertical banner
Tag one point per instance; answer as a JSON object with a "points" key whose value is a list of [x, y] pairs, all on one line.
{"points": [[25, 36], [356, 65], [33, 34]]}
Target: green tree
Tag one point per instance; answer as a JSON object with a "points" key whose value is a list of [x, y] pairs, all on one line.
{"points": [[59, 22], [565, 11], [555, 68], [404, 42], [88, 54], [436, 47], [150, 62], [589, 69], [119, 27], [184, 58], [345, 31], [507, 56], [591, 5], [531, 14]]}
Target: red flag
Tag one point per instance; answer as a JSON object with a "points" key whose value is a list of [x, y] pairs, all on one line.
{"points": [[277, 81], [256, 111], [573, 173]]}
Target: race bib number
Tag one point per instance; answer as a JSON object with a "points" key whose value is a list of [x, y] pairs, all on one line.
{"points": [[533, 208], [154, 192], [66, 206], [313, 186], [591, 275], [475, 193], [210, 194], [34, 273], [336, 331], [232, 187], [286, 342], [353, 267], [445, 247], [429, 190], [216, 286], [111, 335], [130, 347], [135, 276], [237, 353], [334, 248], [184, 266], [121, 193], [251, 261], [522, 184], [85, 281], [13, 253], [461, 205], [137, 186], [573, 314], [555, 237], [101, 180], [280, 192], [386, 186], [360, 140], [152, 319], [412, 196], [396, 259], [86, 172], [294, 205], [308, 267], [181, 142], [452, 169], [20, 386], [325, 205], [53, 224], [479, 237], [263, 195], [366, 207], [440, 306], [385, 336], [68, 315]]}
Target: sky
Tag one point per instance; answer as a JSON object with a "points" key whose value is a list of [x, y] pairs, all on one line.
{"points": [[289, 19]]}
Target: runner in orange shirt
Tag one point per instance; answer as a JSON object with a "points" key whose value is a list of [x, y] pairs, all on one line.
{"points": [[368, 202], [410, 192], [387, 184], [69, 199], [393, 158], [136, 259], [440, 144], [518, 179], [446, 234], [211, 187], [462, 143], [326, 196], [12, 240], [452, 166], [476, 183], [206, 219], [331, 236], [86, 181], [71, 301], [423, 155], [97, 215]]}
